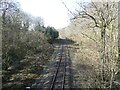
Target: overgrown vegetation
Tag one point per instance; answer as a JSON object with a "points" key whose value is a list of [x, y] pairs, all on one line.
{"points": [[95, 28], [25, 49]]}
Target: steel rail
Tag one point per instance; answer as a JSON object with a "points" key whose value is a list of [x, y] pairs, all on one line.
{"points": [[55, 76], [64, 73]]}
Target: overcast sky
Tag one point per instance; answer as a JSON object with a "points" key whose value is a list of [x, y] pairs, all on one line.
{"points": [[53, 12]]}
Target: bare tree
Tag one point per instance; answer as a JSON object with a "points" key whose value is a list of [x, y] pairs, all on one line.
{"points": [[5, 7], [104, 17], [119, 31]]}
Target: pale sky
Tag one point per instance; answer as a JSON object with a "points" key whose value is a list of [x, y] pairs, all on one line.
{"points": [[53, 12]]}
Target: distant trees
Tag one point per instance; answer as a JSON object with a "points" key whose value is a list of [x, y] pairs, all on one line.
{"points": [[51, 34], [39, 24]]}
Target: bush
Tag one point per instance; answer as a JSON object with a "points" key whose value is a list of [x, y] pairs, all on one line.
{"points": [[22, 45], [51, 34]]}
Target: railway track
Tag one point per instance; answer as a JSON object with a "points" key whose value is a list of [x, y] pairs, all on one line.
{"points": [[58, 74], [58, 80]]}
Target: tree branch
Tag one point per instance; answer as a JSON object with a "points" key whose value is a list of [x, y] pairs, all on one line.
{"points": [[93, 18], [89, 37], [84, 13]]}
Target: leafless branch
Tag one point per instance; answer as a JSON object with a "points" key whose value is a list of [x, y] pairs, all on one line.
{"points": [[84, 13], [93, 18], [90, 38]]}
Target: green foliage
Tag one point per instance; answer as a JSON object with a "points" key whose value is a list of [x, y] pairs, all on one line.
{"points": [[51, 34]]}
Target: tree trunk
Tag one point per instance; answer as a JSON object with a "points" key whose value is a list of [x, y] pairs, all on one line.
{"points": [[119, 32], [103, 33]]}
